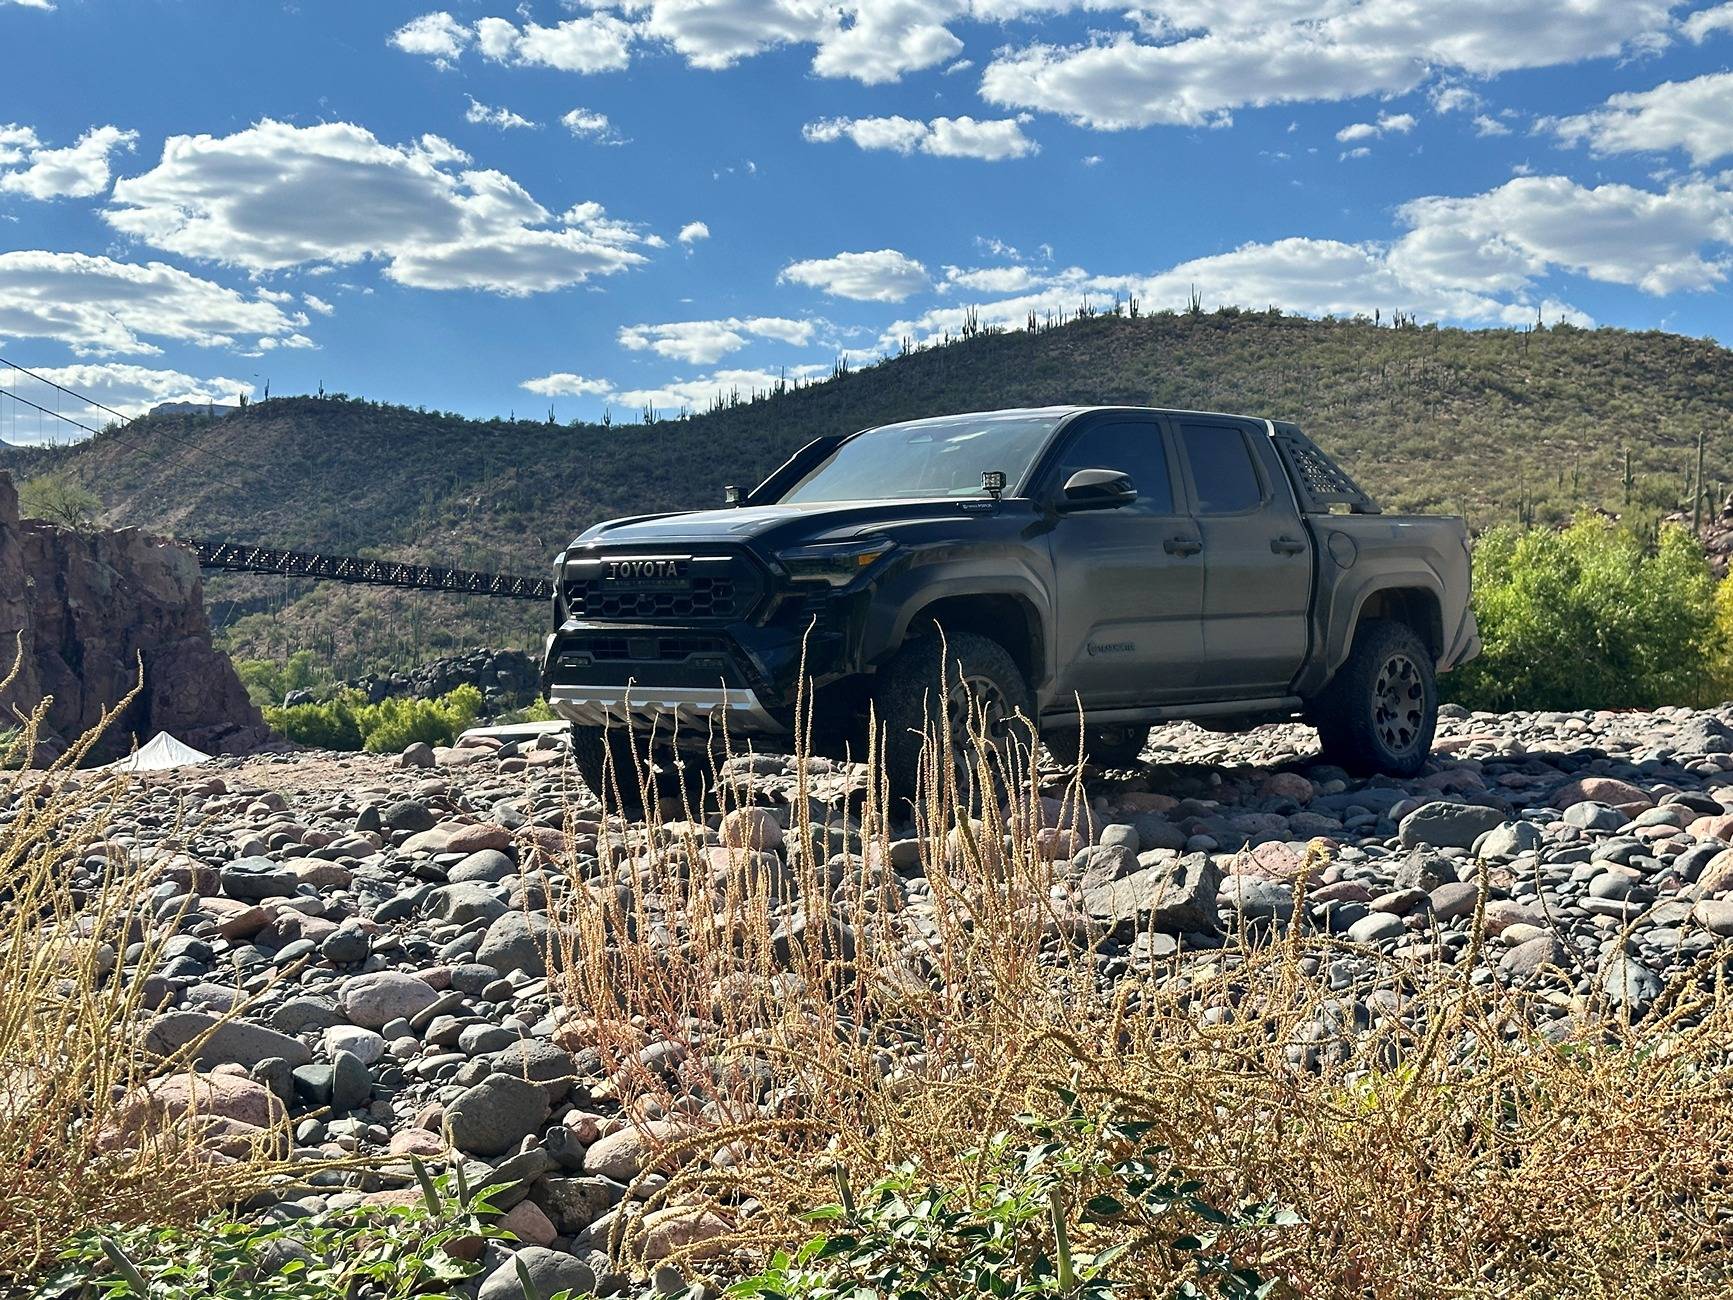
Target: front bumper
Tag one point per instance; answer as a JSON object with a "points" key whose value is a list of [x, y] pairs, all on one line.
{"points": [[595, 706]]}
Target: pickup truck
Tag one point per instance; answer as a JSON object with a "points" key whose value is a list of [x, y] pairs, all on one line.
{"points": [[1102, 568]]}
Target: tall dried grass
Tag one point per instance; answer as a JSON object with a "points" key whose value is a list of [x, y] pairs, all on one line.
{"points": [[1456, 1139], [73, 1154]]}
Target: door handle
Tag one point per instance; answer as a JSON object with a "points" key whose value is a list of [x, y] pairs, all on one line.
{"points": [[1286, 545], [1182, 546]]}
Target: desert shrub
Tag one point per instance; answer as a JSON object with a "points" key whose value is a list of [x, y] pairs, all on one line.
{"points": [[392, 725], [327, 724], [58, 499], [347, 722], [1588, 617], [825, 1018], [268, 681], [1720, 666], [77, 1144]]}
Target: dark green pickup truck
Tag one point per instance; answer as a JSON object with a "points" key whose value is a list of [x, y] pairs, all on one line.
{"points": [[1118, 565]]}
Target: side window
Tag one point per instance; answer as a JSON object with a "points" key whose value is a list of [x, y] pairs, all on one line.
{"points": [[1221, 469], [1133, 448]]}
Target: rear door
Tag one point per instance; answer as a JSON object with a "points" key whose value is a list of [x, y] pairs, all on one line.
{"points": [[1258, 561], [1129, 582]]}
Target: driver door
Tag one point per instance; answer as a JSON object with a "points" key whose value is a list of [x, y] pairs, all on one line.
{"points": [[1129, 581]]}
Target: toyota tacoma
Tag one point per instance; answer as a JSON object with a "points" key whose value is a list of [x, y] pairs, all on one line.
{"points": [[1107, 568]]}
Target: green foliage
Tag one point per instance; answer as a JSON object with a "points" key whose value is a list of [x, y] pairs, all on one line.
{"points": [[393, 725], [1016, 1227], [59, 499], [1720, 685], [387, 1253], [268, 681], [1592, 616], [347, 722]]}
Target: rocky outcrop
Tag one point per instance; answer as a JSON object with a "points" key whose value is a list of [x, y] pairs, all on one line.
{"points": [[87, 608], [507, 679]]}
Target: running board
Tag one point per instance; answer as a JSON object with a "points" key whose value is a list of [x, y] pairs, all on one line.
{"points": [[1276, 704]]}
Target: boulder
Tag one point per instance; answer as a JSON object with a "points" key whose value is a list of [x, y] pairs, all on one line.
{"points": [[221, 1042]]}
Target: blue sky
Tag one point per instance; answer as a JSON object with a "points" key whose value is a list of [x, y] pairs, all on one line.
{"points": [[486, 208]]}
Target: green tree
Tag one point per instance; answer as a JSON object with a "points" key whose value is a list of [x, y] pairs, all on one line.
{"points": [[58, 499], [1589, 617]]}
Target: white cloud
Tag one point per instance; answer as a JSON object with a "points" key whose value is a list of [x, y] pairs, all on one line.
{"points": [[276, 195], [597, 42], [885, 39], [705, 342], [98, 306], [317, 304], [1489, 126], [589, 125], [718, 33], [1703, 24], [482, 115], [990, 279], [698, 393], [1449, 97], [76, 172], [946, 137], [566, 384], [692, 232], [1695, 115], [31, 4], [884, 275], [1502, 239], [1356, 131], [1226, 55], [128, 389]]}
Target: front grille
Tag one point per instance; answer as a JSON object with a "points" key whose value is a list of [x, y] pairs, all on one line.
{"points": [[705, 588], [648, 649]]}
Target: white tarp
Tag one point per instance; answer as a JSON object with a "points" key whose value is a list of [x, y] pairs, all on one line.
{"points": [[162, 752]]}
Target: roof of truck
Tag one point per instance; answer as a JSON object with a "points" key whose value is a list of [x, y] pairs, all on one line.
{"points": [[1059, 412]]}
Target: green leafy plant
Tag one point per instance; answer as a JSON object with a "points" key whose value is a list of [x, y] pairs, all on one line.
{"points": [[268, 681], [1590, 616], [347, 722], [1052, 1207], [59, 499], [388, 1253]]}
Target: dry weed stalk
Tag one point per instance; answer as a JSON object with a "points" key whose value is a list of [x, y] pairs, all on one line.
{"points": [[72, 1020], [822, 1014]]}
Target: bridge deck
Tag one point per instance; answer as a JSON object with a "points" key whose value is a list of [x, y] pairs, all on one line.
{"points": [[232, 557]]}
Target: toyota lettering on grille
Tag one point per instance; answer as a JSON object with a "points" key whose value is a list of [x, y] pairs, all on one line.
{"points": [[642, 572]]}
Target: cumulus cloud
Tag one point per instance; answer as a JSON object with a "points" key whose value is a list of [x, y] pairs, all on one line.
{"points": [[1705, 23], [990, 279], [699, 392], [131, 390], [885, 39], [692, 232], [482, 115], [77, 171], [705, 342], [1659, 242], [1695, 115], [884, 275], [1225, 56], [276, 195], [566, 384], [589, 125], [946, 137], [437, 36], [31, 4], [98, 306], [1387, 123]]}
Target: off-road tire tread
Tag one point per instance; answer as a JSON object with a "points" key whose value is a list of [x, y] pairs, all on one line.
{"points": [[1343, 715]]}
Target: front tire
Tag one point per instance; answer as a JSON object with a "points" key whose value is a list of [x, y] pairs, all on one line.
{"points": [[913, 699], [1380, 710], [611, 762]]}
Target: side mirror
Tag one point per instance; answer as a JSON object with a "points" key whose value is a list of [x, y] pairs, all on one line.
{"points": [[1096, 489]]}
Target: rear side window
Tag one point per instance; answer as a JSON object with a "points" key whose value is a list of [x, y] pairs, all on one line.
{"points": [[1135, 450], [1221, 469]]}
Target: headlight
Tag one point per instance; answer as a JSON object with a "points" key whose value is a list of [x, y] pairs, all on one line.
{"points": [[837, 563]]}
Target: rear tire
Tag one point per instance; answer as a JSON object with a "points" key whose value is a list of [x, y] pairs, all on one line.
{"points": [[910, 697], [610, 760], [1380, 710]]}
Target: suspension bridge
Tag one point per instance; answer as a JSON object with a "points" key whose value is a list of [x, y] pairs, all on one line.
{"points": [[241, 557]]}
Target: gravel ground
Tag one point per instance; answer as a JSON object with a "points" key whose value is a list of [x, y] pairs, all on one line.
{"points": [[385, 912]]}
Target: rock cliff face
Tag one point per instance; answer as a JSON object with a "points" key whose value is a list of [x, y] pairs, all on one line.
{"points": [[88, 607]]}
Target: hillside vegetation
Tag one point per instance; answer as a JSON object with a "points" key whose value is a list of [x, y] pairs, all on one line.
{"points": [[1500, 425]]}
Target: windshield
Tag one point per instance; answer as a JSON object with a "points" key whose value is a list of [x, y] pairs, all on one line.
{"points": [[929, 458]]}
